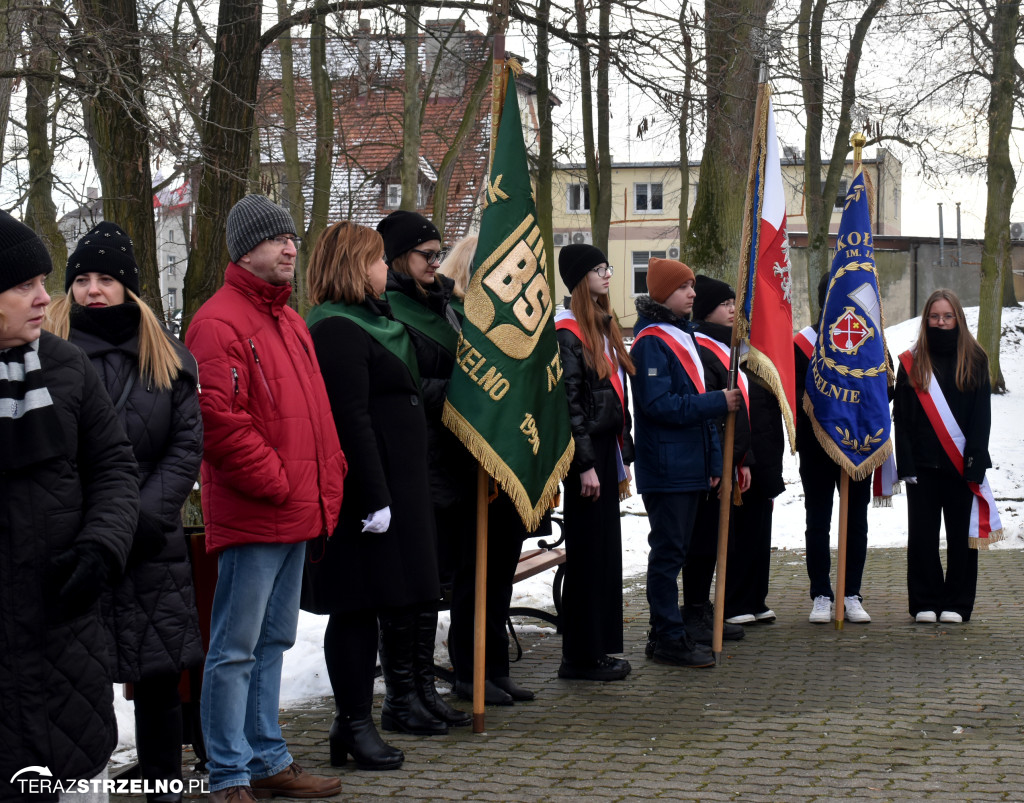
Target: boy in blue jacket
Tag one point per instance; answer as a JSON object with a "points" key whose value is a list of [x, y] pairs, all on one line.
{"points": [[678, 455]]}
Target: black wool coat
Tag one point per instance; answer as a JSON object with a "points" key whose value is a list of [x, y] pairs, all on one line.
{"points": [[381, 423], [56, 697], [452, 467], [151, 613]]}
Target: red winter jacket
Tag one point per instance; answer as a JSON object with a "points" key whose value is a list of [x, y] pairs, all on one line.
{"points": [[272, 466]]}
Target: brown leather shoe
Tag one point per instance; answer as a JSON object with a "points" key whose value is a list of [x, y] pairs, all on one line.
{"points": [[296, 782], [233, 794]]}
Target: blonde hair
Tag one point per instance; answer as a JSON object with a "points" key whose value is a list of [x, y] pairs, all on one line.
{"points": [[457, 264], [338, 268], [159, 363], [971, 359]]}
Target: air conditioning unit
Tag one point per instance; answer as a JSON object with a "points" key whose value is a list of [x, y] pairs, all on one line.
{"points": [[559, 238], [673, 253], [580, 237], [1017, 231]]}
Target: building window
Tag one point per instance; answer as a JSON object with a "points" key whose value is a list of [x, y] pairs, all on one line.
{"points": [[394, 196], [640, 260], [844, 187], [170, 235], [648, 197], [172, 265], [172, 299], [578, 198]]}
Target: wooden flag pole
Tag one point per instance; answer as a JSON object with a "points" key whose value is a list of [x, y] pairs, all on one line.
{"points": [[844, 511], [480, 604], [724, 507]]}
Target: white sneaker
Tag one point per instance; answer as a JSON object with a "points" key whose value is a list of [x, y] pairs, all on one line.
{"points": [[926, 617], [822, 611], [854, 610], [950, 617], [742, 619], [766, 617]]}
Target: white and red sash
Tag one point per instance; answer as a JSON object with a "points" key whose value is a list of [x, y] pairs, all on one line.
{"points": [[682, 345], [805, 340], [567, 321], [720, 351], [986, 526]]}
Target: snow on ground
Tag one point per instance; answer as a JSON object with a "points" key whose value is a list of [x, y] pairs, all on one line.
{"points": [[305, 674]]}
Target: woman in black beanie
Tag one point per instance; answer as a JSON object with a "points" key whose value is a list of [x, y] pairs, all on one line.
{"points": [[69, 487], [152, 379], [594, 364]]}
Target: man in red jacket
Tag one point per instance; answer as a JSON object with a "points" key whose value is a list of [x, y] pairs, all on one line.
{"points": [[272, 479]]}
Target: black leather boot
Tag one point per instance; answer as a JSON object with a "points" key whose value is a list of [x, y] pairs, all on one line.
{"points": [[158, 734], [403, 710], [357, 736], [426, 631]]}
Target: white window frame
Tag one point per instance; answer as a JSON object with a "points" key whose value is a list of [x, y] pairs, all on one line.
{"points": [[581, 191], [392, 196], [638, 266], [649, 196]]}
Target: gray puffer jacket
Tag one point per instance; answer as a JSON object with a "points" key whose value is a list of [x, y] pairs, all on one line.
{"points": [[56, 697], [151, 613]]}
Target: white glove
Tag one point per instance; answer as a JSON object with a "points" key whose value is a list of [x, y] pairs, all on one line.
{"points": [[378, 522]]}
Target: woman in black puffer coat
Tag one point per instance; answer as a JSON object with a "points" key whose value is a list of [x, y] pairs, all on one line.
{"points": [[69, 487], [152, 379]]}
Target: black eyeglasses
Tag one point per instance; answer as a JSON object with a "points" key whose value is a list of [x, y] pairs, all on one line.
{"points": [[604, 271], [431, 256], [283, 240]]}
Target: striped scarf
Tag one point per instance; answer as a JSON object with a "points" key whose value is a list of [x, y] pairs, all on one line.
{"points": [[29, 428]]}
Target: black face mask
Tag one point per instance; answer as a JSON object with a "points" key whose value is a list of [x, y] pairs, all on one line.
{"points": [[942, 341]]}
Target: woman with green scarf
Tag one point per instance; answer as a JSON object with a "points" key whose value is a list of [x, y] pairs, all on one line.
{"points": [[382, 558]]}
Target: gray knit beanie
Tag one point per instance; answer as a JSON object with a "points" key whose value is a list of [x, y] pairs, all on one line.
{"points": [[252, 220], [22, 254]]}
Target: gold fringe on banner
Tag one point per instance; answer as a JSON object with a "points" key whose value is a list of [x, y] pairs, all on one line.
{"points": [[985, 543], [507, 478], [765, 370], [865, 469], [624, 490]]}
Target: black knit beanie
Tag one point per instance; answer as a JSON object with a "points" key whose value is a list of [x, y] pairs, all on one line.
{"points": [[710, 293], [402, 231], [252, 220], [22, 254], [105, 249], [576, 260]]}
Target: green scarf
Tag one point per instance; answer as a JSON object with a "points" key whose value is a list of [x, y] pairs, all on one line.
{"points": [[412, 313], [390, 334]]}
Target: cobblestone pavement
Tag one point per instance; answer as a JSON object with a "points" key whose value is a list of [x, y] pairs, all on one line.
{"points": [[889, 710]]}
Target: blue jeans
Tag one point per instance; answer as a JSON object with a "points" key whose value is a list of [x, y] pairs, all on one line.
{"points": [[254, 619], [671, 516]]}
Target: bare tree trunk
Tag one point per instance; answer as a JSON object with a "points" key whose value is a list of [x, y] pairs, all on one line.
{"points": [[545, 164], [293, 198], [323, 159], [12, 19], [995, 254], [602, 211], [684, 126], [713, 239], [411, 110], [226, 146], [40, 210], [121, 130]]}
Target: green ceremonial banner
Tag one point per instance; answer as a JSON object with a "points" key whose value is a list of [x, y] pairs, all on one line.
{"points": [[506, 401]]}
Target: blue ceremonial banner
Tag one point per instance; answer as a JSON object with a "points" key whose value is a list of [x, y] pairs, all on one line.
{"points": [[850, 374]]}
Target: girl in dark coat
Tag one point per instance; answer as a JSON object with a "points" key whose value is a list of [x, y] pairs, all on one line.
{"points": [[382, 558], [421, 299], [69, 487], [943, 454], [594, 364], [152, 379]]}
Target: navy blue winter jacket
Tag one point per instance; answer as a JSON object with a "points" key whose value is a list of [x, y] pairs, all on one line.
{"points": [[675, 441]]}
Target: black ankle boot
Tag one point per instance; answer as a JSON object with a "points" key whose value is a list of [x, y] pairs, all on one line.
{"points": [[426, 630], [359, 738], [403, 710]]}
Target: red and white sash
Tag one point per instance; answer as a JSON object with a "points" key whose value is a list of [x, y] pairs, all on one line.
{"points": [[986, 526], [566, 320], [805, 340], [682, 345], [720, 351]]}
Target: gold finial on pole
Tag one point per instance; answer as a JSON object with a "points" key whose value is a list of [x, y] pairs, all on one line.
{"points": [[858, 141]]}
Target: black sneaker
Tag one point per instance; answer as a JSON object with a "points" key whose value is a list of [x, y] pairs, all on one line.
{"points": [[604, 668], [651, 641], [683, 652], [699, 621]]}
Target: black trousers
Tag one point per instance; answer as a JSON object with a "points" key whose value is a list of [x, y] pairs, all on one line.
{"points": [[505, 535], [702, 554], [940, 495], [750, 554]]}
